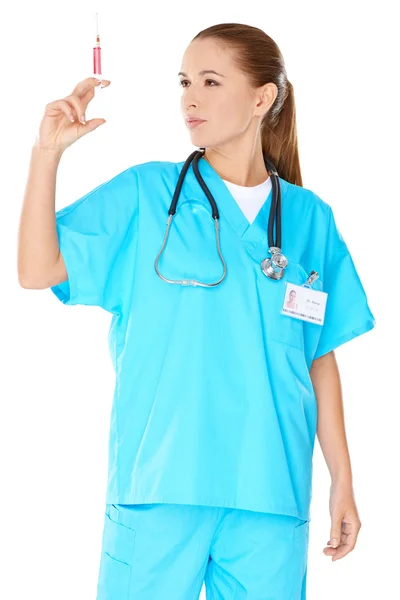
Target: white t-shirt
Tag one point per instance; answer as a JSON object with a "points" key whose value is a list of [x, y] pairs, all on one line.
{"points": [[250, 199]]}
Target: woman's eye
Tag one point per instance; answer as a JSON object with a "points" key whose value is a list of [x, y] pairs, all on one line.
{"points": [[207, 80]]}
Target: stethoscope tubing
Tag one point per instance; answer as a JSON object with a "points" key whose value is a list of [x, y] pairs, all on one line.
{"points": [[271, 268]]}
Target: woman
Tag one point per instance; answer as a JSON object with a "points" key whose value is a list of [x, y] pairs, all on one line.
{"points": [[215, 408], [291, 303]]}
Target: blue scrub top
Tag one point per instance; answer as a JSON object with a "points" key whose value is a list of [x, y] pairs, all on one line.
{"points": [[213, 402]]}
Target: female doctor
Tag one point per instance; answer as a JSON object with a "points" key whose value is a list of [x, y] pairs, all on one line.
{"points": [[218, 389]]}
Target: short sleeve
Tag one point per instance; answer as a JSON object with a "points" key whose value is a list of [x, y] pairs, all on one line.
{"points": [[95, 237], [347, 314]]}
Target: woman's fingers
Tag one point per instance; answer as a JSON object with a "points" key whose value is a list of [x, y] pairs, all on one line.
{"points": [[80, 103], [54, 132], [78, 109], [83, 86], [84, 93], [53, 108], [89, 94], [88, 85], [347, 543]]}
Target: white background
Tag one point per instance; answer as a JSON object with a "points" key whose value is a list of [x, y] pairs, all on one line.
{"points": [[57, 378]]}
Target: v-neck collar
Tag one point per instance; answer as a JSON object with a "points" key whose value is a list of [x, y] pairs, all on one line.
{"points": [[253, 233]]}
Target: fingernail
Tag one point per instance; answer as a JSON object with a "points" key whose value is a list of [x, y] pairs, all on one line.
{"points": [[83, 120], [334, 542], [72, 118]]}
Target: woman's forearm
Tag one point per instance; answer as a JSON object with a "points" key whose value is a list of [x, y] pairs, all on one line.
{"points": [[331, 433], [37, 240]]}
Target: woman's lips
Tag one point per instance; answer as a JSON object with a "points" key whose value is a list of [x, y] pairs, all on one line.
{"points": [[194, 123]]}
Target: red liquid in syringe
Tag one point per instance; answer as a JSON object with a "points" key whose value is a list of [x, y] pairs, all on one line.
{"points": [[97, 58]]}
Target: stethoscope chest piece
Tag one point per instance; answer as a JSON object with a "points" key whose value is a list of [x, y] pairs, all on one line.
{"points": [[274, 267]]}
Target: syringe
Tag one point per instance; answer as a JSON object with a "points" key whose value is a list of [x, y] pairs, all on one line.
{"points": [[97, 53]]}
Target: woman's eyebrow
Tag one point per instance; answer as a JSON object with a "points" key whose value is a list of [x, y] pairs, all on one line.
{"points": [[203, 72]]}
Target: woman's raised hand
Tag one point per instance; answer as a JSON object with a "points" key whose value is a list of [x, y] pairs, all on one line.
{"points": [[64, 120]]}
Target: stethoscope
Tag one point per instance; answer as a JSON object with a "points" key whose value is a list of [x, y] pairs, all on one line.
{"points": [[272, 267]]}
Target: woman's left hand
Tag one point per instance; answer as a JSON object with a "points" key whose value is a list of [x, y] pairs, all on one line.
{"points": [[345, 521]]}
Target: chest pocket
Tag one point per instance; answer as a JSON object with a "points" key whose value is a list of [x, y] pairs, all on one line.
{"points": [[280, 327]]}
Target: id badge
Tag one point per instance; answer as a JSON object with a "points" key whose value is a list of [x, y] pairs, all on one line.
{"points": [[302, 302]]}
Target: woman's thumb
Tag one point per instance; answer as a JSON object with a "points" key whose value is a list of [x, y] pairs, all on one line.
{"points": [[92, 124]]}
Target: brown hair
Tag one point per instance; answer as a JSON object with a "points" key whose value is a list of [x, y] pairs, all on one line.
{"points": [[257, 55]]}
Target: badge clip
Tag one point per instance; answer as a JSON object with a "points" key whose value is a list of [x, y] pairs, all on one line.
{"points": [[313, 276]]}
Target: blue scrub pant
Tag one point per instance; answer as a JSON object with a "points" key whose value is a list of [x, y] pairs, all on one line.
{"points": [[166, 551]]}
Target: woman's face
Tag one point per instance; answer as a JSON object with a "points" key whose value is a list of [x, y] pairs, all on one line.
{"points": [[226, 101], [292, 295]]}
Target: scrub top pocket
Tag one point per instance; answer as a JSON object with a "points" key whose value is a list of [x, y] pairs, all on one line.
{"points": [[116, 559], [283, 328]]}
